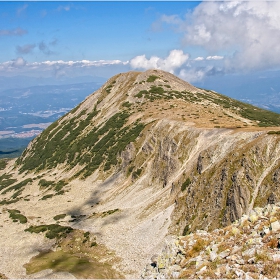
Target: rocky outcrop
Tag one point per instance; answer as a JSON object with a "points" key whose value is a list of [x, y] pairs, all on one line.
{"points": [[248, 248], [229, 184]]}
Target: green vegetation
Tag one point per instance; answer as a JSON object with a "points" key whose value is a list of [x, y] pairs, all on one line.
{"points": [[85, 260], [6, 181], [130, 169], [89, 150], [263, 117], [153, 94], [11, 201], [137, 173], [52, 230], [45, 184], [49, 149], [152, 78], [45, 197], [59, 217], [186, 230], [141, 93], [273, 132], [18, 187], [52, 184], [60, 261], [127, 104], [16, 216], [109, 88], [109, 212], [3, 164], [185, 184], [156, 90]]}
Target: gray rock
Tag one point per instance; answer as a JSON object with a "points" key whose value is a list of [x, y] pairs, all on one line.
{"points": [[249, 253], [252, 260], [175, 274], [248, 277], [235, 249], [178, 259], [239, 273], [213, 256], [224, 254], [202, 270], [175, 267], [276, 258], [275, 226], [199, 262], [214, 248], [240, 261], [154, 258]]}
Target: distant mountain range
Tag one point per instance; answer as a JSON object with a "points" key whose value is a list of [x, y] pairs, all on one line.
{"points": [[26, 81], [259, 89], [25, 112]]}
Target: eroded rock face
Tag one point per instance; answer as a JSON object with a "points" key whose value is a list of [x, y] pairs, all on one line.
{"points": [[229, 184], [237, 200]]}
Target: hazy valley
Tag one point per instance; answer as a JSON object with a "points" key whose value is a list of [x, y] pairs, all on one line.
{"points": [[26, 112]]}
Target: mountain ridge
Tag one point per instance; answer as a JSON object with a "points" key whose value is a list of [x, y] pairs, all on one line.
{"points": [[145, 157]]}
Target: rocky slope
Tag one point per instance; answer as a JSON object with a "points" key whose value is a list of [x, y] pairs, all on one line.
{"points": [[246, 249], [145, 157]]}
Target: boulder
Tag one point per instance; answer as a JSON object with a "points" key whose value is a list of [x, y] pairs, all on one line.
{"points": [[213, 256], [224, 254], [249, 253], [275, 226]]}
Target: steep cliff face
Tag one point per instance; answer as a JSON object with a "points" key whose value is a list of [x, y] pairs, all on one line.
{"points": [[145, 156], [229, 179]]}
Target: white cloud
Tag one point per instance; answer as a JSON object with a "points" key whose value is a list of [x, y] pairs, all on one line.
{"points": [[191, 75], [247, 32], [79, 63], [13, 64], [173, 61], [214, 57], [58, 66], [18, 62], [200, 58]]}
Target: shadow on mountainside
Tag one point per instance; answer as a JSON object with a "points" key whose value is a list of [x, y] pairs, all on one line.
{"points": [[108, 216]]}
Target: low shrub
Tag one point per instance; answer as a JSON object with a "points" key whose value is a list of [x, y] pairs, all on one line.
{"points": [[52, 230], [185, 184], [16, 216], [152, 78], [59, 217]]}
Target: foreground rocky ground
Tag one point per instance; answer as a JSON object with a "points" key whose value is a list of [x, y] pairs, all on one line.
{"points": [[247, 249]]}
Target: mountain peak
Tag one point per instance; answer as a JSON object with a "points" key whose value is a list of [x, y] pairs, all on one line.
{"points": [[126, 104], [144, 157]]}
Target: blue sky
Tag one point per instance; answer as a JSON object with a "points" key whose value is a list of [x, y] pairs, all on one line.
{"points": [[194, 40], [84, 30]]}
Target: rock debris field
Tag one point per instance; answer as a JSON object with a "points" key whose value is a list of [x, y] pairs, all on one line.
{"points": [[247, 249]]}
